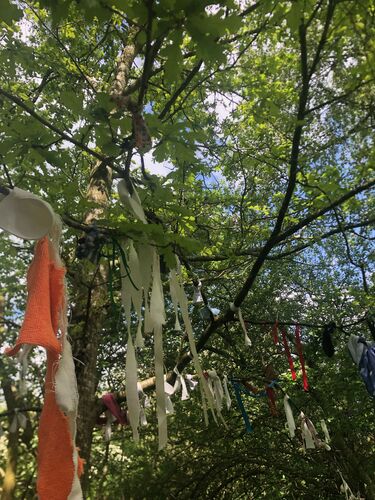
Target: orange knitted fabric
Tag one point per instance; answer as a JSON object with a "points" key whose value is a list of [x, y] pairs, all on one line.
{"points": [[55, 449], [37, 328], [40, 326]]}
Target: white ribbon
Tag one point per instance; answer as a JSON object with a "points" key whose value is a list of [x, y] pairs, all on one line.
{"points": [[157, 320], [345, 488], [131, 201], [136, 291], [325, 430], [242, 322], [23, 359], [169, 409], [173, 287], [197, 297], [226, 392], [180, 382], [131, 386], [310, 436], [289, 416], [131, 290], [216, 388], [183, 302], [190, 382], [65, 380], [108, 426], [307, 438], [144, 401]]}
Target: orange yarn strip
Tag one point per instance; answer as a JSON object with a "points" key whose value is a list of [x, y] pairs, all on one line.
{"points": [[44, 305], [39, 326]]}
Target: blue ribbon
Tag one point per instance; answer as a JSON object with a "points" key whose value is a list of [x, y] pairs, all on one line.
{"points": [[238, 388], [237, 391]]}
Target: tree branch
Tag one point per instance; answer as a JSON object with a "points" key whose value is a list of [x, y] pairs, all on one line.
{"points": [[181, 88], [13, 98]]}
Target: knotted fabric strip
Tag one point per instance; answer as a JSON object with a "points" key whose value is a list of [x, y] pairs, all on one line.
{"points": [[237, 310]]}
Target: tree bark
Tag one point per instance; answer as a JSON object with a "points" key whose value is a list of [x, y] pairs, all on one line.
{"points": [[9, 482], [89, 311]]}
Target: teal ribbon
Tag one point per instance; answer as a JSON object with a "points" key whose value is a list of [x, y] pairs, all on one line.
{"points": [[237, 391]]}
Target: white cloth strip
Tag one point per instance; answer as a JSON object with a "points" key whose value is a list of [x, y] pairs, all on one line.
{"points": [[289, 416], [131, 387], [226, 392], [157, 320], [238, 311], [182, 299]]}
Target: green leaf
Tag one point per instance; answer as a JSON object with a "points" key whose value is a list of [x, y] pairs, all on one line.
{"points": [[172, 66], [9, 12], [293, 16], [71, 100]]}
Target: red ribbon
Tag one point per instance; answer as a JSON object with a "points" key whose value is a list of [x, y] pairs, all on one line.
{"points": [[288, 355], [274, 332], [301, 360], [110, 402]]}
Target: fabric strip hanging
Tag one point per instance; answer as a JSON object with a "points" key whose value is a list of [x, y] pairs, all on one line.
{"points": [[237, 310], [183, 302], [110, 402], [131, 386], [288, 355], [58, 461], [237, 392], [301, 359], [158, 319], [289, 416]]}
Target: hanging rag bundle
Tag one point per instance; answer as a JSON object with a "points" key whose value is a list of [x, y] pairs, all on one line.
{"points": [[363, 354], [310, 438], [113, 414], [58, 462], [327, 343]]}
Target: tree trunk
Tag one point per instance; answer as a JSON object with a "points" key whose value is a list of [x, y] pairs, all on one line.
{"points": [[9, 483], [88, 322], [89, 311]]}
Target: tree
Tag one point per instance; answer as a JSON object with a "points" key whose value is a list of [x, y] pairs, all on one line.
{"points": [[264, 114]]}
